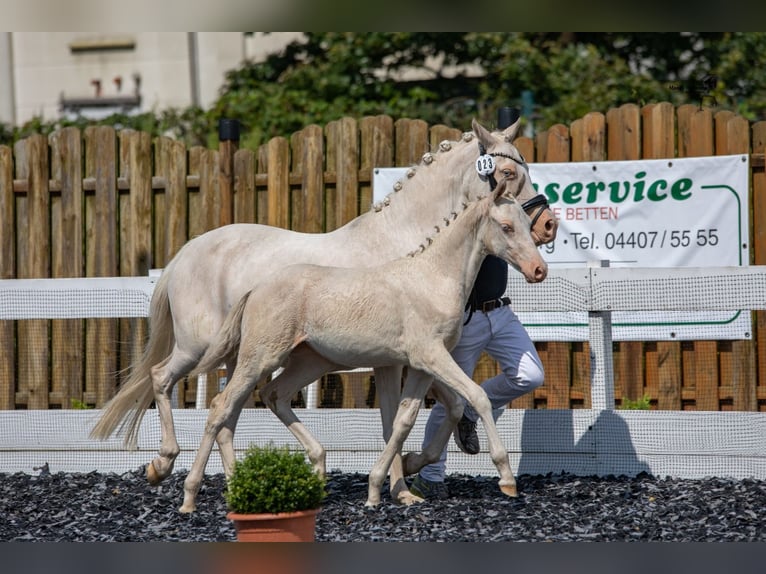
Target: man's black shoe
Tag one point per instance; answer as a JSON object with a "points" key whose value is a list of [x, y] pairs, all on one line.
{"points": [[466, 438]]}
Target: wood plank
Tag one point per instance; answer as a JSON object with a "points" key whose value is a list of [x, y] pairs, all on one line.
{"points": [[588, 144], [101, 256], [376, 150], [196, 215], [411, 141], [209, 188], [439, 133], [244, 186], [557, 355], [34, 262], [346, 169], [226, 150], [171, 207], [310, 167], [662, 358], [695, 139], [278, 186], [67, 222], [7, 271], [737, 358], [135, 234], [624, 127]]}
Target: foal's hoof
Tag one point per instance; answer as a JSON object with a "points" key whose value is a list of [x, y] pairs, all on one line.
{"points": [[509, 490]]}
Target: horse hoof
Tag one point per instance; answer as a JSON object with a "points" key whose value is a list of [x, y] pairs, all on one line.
{"points": [[509, 490], [408, 499], [152, 476], [187, 509]]}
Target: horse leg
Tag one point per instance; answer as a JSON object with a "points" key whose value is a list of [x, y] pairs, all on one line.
{"points": [[415, 389], [303, 367], [440, 364], [388, 383], [225, 437], [414, 461], [164, 376]]}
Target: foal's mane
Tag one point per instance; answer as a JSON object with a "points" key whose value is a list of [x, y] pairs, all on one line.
{"points": [[449, 219]]}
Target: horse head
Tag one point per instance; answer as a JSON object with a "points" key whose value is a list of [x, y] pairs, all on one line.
{"points": [[508, 236], [507, 163]]}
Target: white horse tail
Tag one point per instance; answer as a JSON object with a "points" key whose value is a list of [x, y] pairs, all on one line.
{"points": [[226, 343], [126, 409]]}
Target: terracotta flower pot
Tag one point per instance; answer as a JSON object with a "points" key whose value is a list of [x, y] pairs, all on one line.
{"points": [[282, 527]]}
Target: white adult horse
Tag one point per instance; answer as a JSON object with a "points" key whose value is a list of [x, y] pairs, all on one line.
{"points": [[214, 270], [407, 312]]}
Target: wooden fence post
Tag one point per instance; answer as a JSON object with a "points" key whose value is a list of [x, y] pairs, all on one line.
{"points": [[552, 146], [33, 261], [624, 127], [7, 271], [737, 357], [101, 257], [228, 138], [67, 218]]}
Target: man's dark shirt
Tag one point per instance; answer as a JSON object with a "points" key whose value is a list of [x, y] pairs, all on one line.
{"points": [[492, 280]]}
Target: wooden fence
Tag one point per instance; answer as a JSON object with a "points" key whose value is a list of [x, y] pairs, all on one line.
{"points": [[103, 203]]}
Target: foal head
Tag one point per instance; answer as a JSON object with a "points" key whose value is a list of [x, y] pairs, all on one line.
{"points": [[505, 234]]}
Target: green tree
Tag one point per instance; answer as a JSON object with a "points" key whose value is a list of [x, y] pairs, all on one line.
{"points": [[450, 77]]}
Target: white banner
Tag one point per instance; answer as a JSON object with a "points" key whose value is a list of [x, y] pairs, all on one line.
{"points": [[681, 212]]}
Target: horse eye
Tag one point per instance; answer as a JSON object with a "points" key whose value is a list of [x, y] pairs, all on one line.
{"points": [[507, 228]]}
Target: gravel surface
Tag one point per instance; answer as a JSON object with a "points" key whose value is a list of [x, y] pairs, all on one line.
{"points": [[109, 507]]}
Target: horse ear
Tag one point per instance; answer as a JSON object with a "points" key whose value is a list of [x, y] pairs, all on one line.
{"points": [[499, 190], [510, 132], [485, 137]]}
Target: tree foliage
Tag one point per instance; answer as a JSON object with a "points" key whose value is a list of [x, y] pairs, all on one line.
{"points": [[450, 77]]}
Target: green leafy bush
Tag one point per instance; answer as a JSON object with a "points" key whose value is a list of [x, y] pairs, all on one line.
{"points": [[272, 479], [642, 404]]}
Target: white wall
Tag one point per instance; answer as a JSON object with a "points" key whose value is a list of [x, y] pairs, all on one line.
{"points": [[43, 66]]}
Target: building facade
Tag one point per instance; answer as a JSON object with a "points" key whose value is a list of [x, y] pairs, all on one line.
{"points": [[65, 74]]}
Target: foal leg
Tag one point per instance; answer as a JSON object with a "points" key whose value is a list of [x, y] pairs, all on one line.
{"points": [[440, 364], [414, 461], [164, 376], [388, 384], [229, 401], [415, 389]]}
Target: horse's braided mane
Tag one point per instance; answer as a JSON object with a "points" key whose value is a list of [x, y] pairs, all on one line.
{"points": [[437, 229], [428, 158]]}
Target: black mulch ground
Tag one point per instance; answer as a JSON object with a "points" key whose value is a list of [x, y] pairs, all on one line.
{"points": [[109, 507]]}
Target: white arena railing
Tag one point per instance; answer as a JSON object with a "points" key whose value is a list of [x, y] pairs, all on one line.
{"points": [[596, 441]]}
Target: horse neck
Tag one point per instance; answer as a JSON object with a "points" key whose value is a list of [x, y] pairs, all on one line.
{"points": [[458, 250], [433, 193]]}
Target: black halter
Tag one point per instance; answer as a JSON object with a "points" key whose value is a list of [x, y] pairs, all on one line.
{"points": [[539, 201]]}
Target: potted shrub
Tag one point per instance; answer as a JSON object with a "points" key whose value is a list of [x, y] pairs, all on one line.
{"points": [[274, 495]]}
